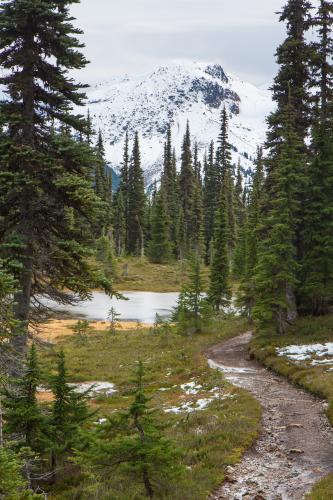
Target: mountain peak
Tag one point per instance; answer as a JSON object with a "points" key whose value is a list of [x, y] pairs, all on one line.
{"points": [[174, 93]]}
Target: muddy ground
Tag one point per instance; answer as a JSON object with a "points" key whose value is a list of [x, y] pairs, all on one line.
{"points": [[295, 448]]}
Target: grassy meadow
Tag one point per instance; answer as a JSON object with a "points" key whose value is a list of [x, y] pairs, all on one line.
{"points": [[210, 439]]}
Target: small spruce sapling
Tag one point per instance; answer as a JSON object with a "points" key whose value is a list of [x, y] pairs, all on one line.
{"points": [[113, 318], [81, 330], [24, 419], [132, 443], [69, 413]]}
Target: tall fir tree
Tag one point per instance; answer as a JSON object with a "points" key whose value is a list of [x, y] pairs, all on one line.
{"points": [[225, 169], [124, 184], [211, 190], [316, 291], [136, 203], [277, 269], [239, 256], [120, 228], [247, 295], [159, 250], [44, 172], [103, 189], [169, 183], [219, 293], [187, 188], [293, 57]]}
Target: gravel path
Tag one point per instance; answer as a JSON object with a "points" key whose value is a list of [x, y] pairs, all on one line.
{"points": [[295, 448]]}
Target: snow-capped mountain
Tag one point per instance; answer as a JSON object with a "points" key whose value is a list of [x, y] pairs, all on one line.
{"points": [[174, 94]]}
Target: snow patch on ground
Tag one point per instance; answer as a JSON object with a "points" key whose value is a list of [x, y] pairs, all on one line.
{"points": [[307, 352], [101, 421], [201, 403], [227, 369], [95, 388], [191, 388]]}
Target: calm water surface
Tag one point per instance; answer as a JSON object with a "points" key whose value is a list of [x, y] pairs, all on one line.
{"points": [[140, 306]]}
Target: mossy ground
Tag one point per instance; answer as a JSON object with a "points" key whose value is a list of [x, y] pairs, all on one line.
{"points": [[315, 379], [210, 439]]}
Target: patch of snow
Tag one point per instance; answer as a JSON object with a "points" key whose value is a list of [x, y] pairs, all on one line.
{"points": [[318, 362], [228, 369], [95, 388], [101, 421], [199, 405], [185, 407], [202, 404], [191, 388], [306, 352], [164, 389]]}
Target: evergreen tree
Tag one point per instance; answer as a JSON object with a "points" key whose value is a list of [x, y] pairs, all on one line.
{"points": [[69, 413], [124, 185], [133, 443], [198, 223], [316, 293], [192, 308], [89, 130], [187, 189], [247, 295], [12, 484], [197, 164], [159, 250], [44, 172], [100, 173], [136, 203], [120, 224], [181, 236], [105, 255], [211, 192], [219, 293], [225, 170], [239, 257], [169, 183], [24, 419], [293, 57], [103, 185], [276, 272], [8, 325]]}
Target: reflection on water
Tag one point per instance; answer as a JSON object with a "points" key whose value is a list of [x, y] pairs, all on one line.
{"points": [[140, 306]]}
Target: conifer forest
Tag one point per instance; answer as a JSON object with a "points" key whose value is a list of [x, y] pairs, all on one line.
{"points": [[166, 326]]}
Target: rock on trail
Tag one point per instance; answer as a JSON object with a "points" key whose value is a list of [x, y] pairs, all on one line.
{"points": [[295, 448]]}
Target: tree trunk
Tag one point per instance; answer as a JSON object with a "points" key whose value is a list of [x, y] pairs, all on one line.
{"points": [[147, 483], [21, 312], [1, 425]]}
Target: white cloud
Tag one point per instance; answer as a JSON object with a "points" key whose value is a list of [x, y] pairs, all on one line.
{"points": [[134, 35]]}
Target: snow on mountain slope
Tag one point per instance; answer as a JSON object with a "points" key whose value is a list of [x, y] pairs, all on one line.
{"points": [[176, 93]]}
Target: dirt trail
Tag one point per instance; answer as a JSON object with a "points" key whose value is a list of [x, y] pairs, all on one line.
{"points": [[295, 448]]}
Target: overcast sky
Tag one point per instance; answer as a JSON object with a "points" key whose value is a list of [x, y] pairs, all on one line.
{"points": [[134, 36]]}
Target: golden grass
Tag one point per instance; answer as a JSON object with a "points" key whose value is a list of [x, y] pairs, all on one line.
{"points": [[56, 329]]}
